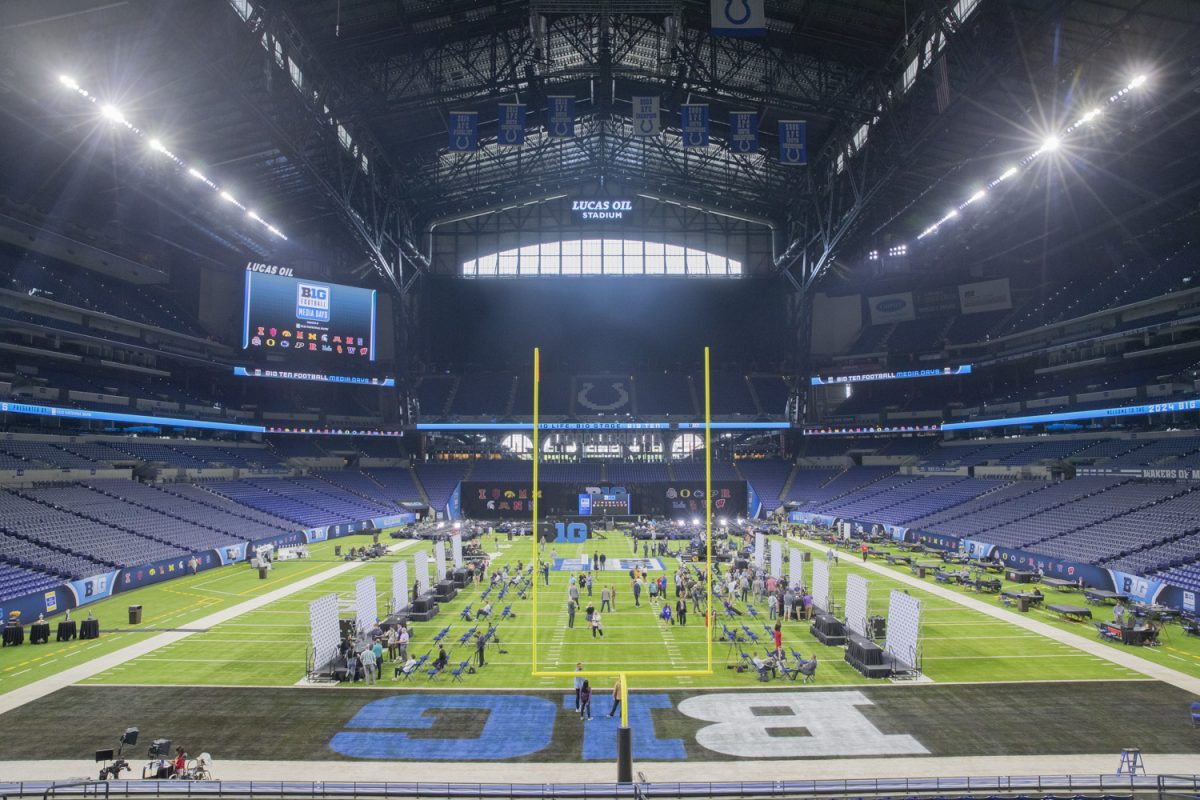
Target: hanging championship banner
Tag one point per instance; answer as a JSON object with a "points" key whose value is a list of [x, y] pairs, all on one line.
{"points": [[645, 116], [464, 131], [694, 125], [743, 18], [512, 125], [560, 116], [793, 141], [743, 131]]}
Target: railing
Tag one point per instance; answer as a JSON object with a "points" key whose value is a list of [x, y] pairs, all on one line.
{"points": [[1073, 785]]}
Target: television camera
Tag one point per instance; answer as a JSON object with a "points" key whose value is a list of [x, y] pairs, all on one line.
{"points": [[113, 771]]}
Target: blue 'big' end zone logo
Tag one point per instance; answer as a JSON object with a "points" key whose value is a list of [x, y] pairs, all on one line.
{"points": [[312, 302]]}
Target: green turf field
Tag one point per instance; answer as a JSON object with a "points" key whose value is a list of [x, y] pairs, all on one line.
{"points": [[266, 647]]}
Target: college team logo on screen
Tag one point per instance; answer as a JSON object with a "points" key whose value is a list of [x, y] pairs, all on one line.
{"points": [[312, 302]]}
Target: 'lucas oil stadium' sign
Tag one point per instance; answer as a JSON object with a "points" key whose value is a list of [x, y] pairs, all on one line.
{"points": [[592, 210]]}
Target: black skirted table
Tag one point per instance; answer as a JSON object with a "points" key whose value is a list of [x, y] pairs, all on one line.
{"points": [[1073, 613], [39, 633], [89, 629], [67, 630], [14, 635], [1103, 596]]}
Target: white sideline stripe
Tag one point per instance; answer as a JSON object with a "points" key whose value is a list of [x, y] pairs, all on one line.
{"points": [[39, 689], [662, 771], [1094, 647]]}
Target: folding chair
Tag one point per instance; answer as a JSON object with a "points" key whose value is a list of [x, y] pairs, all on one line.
{"points": [[1196, 715], [466, 613], [441, 635], [752, 610], [808, 669], [789, 672], [433, 672], [456, 674]]}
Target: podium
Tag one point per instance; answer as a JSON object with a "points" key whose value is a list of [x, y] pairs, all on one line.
{"points": [[423, 609]]}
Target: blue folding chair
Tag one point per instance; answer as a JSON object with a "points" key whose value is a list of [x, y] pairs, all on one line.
{"points": [[507, 612], [466, 613], [441, 635], [456, 674]]}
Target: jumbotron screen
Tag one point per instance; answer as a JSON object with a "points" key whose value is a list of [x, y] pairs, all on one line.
{"points": [[308, 325]]}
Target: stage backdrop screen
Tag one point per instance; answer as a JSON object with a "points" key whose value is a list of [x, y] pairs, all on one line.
{"points": [[301, 324]]}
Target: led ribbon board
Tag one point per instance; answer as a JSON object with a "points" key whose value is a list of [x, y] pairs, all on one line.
{"points": [[941, 372]]}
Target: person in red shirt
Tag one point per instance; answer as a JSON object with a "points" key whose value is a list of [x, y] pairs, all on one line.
{"points": [[180, 762], [778, 640], [863, 549]]}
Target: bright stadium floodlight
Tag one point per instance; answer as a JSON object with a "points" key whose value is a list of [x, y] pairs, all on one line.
{"points": [[69, 82], [1139, 81], [113, 114], [975, 198], [195, 173], [157, 146], [1091, 115], [695, 520], [1008, 173], [227, 197], [252, 214], [1049, 145]]}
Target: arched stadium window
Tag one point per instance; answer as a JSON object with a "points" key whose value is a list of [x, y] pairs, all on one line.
{"points": [[686, 444], [602, 257], [518, 444]]}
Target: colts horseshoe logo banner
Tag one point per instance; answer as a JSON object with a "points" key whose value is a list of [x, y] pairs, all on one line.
{"points": [[793, 141], [744, 18], [560, 117], [511, 132], [645, 116], [464, 131], [743, 131], [694, 127]]}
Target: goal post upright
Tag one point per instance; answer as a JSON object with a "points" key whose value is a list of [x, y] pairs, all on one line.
{"points": [[708, 576], [534, 559]]}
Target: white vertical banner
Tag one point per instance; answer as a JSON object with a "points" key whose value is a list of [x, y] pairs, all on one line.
{"points": [[421, 565], [439, 558], [366, 612], [456, 549], [324, 632], [776, 559], [856, 603], [760, 550], [400, 594], [645, 116], [820, 584], [795, 568], [903, 627]]}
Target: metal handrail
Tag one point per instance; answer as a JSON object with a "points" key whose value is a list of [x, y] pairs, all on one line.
{"points": [[878, 787]]}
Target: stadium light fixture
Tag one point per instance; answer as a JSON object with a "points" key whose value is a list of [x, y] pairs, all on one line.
{"points": [[114, 114], [1091, 115], [1049, 145], [975, 198], [1008, 173], [1139, 81]]}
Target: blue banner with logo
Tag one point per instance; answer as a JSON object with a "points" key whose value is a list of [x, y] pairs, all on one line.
{"points": [[560, 117], [694, 124], [232, 553], [793, 141], [741, 18], [464, 131], [454, 504], [743, 131], [644, 116], [977, 549], [167, 568], [511, 132], [753, 502], [97, 587], [1143, 590]]}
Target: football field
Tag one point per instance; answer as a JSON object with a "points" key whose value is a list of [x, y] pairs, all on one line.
{"points": [[232, 681]]}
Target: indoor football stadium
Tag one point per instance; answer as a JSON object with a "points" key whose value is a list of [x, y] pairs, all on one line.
{"points": [[577, 399]]}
